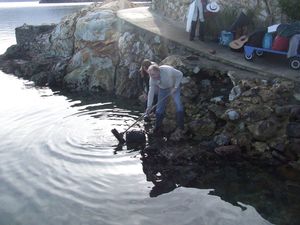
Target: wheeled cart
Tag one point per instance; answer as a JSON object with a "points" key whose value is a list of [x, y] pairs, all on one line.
{"points": [[250, 52]]}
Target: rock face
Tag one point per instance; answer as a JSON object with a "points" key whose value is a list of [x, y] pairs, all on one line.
{"points": [[253, 126], [27, 33], [94, 51], [86, 42]]}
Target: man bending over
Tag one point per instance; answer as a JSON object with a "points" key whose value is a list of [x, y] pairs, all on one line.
{"points": [[168, 80]]}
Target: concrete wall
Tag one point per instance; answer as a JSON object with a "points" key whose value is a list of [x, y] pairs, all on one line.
{"points": [[172, 9]]}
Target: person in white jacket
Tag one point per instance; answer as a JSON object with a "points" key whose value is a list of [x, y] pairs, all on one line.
{"points": [[168, 80], [195, 13]]}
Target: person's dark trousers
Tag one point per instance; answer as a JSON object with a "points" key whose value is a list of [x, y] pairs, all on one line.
{"points": [[180, 119], [158, 121], [193, 30], [201, 31]]}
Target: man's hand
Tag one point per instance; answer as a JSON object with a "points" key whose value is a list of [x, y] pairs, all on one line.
{"points": [[148, 111]]}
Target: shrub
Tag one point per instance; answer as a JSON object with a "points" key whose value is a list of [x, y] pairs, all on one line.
{"points": [[291, 8]]}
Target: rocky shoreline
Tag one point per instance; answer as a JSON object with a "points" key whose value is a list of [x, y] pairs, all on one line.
{"points": [[225, 116]]}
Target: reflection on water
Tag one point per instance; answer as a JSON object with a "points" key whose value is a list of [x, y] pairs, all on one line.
{"points": [[236, 182]]}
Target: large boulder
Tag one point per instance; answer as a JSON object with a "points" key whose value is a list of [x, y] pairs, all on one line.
{"points": [[90, 73], [202, 128], [293, 130], [78, 79], [265, 129], [27, 33], [95, 49], [62, 38], [95, 27]]}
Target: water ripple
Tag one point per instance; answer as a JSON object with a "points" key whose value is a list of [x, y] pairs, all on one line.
{"points": [[59, 164]]}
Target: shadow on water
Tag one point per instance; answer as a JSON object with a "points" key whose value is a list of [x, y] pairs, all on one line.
{"points": [[239, 183], [108, 101]]}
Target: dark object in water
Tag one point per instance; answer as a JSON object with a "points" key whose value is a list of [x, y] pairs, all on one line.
{"points": [[118, 135], [135, 136]]}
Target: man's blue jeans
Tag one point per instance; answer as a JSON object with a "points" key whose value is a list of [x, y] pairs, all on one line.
{"points": [[161, 107]]}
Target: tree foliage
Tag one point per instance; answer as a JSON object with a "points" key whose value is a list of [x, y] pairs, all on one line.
{"points": [[291, 8]]}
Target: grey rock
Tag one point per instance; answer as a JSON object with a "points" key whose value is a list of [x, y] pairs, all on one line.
{"points": [[40, 79], [217, 100], [205, 84], [264, 130], [228, 150], [221, 139], [279, 156], [27, 33], [293, 130], [232, 114], [204, 127], [235, 93], [260, 147]]}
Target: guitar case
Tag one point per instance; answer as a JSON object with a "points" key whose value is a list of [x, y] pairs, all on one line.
{"points": [[238, 44], [256, 38]]}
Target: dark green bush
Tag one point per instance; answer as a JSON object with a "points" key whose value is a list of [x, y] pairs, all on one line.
{"points": [[291, 8]]}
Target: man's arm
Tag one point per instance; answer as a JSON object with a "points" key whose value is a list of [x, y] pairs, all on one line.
{"points": [[150, 95], [178, 77]]}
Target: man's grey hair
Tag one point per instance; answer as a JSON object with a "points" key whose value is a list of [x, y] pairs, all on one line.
{"points": [[154, 68]]}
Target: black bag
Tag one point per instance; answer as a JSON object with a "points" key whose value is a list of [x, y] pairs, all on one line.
{"points": [[256, 38]]}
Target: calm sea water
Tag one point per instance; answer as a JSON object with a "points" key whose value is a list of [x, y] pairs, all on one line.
{"points": [[60, 164]]}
